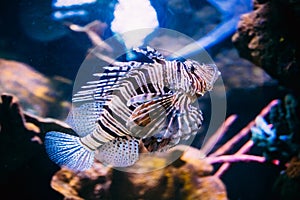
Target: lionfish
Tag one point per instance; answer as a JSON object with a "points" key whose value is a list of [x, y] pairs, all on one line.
{"points": [[132, 106]]}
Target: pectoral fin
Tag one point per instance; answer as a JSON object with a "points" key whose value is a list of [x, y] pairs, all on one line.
{"points": [[148, 118], [183, 125], [144, 98]]}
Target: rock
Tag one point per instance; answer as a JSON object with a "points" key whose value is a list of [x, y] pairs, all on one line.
{"points": [[25, 169], [268, 36], [238, 73], [91, 184], [37, 93], [186, 178]]}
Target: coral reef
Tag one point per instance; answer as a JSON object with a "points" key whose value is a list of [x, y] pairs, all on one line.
{"points": [[268, 36], [284, 146], [187, 178], [23, 157]]}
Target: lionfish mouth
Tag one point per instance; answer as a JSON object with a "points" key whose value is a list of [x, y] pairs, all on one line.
{"points": [[199, 93]]}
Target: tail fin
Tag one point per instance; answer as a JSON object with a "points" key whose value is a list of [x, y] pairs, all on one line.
{"points": [[67, 150]]}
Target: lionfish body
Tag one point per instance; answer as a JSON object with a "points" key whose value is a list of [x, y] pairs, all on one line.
{"points": [[133, 103]]}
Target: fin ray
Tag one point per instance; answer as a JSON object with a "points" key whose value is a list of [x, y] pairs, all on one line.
{"points": [[150, 53], [66, 150], [119, 152], [107, 81], [150, 117], [186, 123], [83, 118]]}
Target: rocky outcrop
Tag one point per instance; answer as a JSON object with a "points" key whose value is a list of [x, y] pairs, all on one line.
{"points": [[37, 93], [187, 178], [25, 170], [269, 37]]}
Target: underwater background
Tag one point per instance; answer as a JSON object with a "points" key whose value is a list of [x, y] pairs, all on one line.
{"points": [[255, 45]]}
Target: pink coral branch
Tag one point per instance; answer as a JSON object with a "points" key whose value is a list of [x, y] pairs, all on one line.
{"points": [[235, 158], [228, 145], [210, 143], [222, 169], [246, 147]]}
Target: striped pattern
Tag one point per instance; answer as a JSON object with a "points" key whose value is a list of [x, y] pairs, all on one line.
{"points": [[143, 100]]}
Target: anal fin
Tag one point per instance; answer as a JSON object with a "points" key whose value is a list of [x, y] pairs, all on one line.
{"points": [[120, 152]]}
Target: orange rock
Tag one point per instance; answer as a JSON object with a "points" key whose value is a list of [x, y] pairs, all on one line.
{"points": [[152, 177]]}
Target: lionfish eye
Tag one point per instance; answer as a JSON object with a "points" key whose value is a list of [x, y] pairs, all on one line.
{"points": [[192, 68]]}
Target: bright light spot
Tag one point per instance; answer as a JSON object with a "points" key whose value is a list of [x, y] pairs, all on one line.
{"points": [[67, 3], [64, 14], [131, 15]]}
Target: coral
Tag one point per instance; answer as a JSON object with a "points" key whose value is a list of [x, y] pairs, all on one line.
{"points": [[293, 168], [287, 185], [279, 139], [240, 155], [91, 184], [269, 37], [187, 178], [292, 118]]}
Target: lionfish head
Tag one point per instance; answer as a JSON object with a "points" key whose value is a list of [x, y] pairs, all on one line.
{"points": [[204, 74]]}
